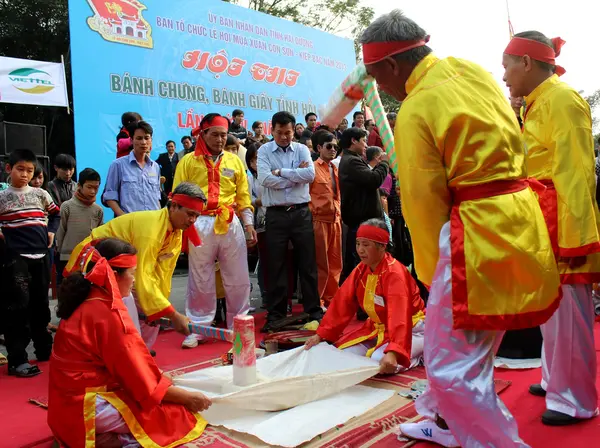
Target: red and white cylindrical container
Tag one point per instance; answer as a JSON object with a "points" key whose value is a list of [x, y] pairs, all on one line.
{"points": [[244, 354]]}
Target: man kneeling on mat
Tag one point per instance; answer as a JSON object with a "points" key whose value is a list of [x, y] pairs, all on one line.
{"points": [[385, 290]]}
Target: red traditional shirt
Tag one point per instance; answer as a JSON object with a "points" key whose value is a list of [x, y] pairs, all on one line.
{"points": [[98, 351], [389, 296]]}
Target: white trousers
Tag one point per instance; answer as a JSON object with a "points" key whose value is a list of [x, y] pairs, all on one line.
{"points": [[149, 333], [569, 354], [416, 352], [460, 370], [111, 429], [230, 250]]}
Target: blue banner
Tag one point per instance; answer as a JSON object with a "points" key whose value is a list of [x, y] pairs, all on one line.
{"points": [[175, 61]]}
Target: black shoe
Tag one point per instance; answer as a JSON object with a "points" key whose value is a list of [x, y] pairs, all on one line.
{"points": [[152, 353], [267, 328], [24, 373], [537, 390], [555, 418]]}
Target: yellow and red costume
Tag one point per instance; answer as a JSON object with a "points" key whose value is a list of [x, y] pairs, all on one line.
{"points": [[158, 246], [465, 163], [479, 238], [98, 353], [557, 131], [223, 180], [389, 296], [327, 225]]}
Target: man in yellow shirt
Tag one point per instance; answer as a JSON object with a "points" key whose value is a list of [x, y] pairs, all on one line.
{"points": [[157, 236], [222, 177], [557, 130], [479, 235]]}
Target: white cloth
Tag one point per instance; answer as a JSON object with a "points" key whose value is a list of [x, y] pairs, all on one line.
{"points": [[460, 370], [111, 429], [231, 253], [290, 380], [149, 333], [569, 354], [129, 302], [416, 352]]}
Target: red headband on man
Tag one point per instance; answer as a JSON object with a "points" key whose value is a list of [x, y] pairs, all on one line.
{"points": [[519, 46], [201, 149], [373, 233], [187, 201], [374, 52]]}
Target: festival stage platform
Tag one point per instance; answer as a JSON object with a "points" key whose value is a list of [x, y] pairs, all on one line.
{"points": [[23, 425]]}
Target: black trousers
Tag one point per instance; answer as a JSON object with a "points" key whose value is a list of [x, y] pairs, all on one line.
{"points": [[351, 258], [25, 308], [285, 224]]}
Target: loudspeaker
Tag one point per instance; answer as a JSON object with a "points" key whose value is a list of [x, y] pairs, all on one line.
{"points": [[19, 135]]}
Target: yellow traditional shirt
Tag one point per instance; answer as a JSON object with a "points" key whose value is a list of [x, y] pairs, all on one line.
{"points": [[223, 182], [557, 131], [456, 132], [158, 247]]}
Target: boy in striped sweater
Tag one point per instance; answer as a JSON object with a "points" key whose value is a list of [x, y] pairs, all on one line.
{"points": [[25, 279]]}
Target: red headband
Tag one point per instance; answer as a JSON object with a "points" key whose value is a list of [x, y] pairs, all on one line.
{"points": [[374, 52], [102, 274], [519, 46], [373, 233], [216, 121], [201, 149], [197, 205], [187, 201]]}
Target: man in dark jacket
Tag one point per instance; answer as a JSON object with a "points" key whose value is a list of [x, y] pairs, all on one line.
{"points": [[168, 162], [359, 188]]}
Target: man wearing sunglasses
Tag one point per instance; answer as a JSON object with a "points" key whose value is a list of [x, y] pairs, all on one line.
{"points": [[325, 208]]}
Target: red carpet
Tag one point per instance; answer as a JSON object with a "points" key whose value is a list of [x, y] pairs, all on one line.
{"points": [[24, 425]]}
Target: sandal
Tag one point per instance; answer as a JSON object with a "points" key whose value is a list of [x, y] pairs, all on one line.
{"points": [[25, 373]]}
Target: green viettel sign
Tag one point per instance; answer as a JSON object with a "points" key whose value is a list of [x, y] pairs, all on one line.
{"points": [[30, 80]]}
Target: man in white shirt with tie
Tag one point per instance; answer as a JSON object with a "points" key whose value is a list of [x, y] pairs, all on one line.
{"points": [[285, 170]]}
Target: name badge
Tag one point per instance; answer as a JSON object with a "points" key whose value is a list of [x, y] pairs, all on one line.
{"points": [[227, 172], [379, 300]]}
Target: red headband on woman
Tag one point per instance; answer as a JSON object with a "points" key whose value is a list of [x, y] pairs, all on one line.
{"points": [[374, 52], [102, 274], [519, 46], [373, 233]]}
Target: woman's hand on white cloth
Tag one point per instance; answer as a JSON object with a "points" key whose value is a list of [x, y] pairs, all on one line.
{"points": [[388, 364], [197, 402], [312, 341]]}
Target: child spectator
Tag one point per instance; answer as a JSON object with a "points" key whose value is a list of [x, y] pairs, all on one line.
{"points": [[124, 146], [62, 187], [78, 216], [25, 279], [40, 177]]}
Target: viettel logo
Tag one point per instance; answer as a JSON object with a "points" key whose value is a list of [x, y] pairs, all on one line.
{"points": [[30, 80]]}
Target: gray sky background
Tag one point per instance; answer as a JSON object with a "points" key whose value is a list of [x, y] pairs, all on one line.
{"points": [[478, 30]]}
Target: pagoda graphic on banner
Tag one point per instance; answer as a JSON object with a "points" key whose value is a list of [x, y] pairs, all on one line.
{"points": [[121, 21]]}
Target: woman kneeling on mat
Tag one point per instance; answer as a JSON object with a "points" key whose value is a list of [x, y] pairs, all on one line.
{"points": [[385, 290], [105, 388]]}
